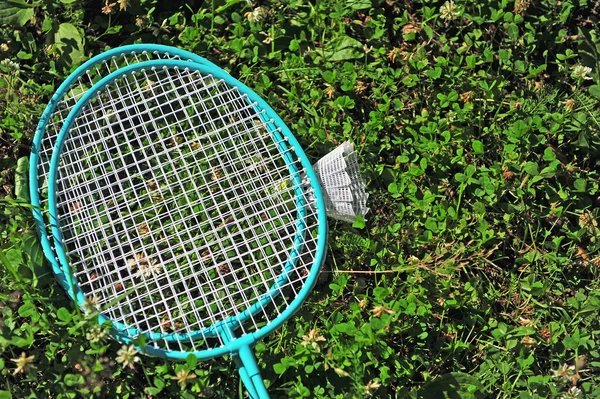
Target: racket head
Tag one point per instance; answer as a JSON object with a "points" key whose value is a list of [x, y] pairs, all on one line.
{"points": [[56, 111], [305, 188]]}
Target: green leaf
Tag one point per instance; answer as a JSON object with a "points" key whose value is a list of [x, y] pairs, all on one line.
{"points": [[31, 246], [453, 385], [294, 45], [359, 4], [572, 341], [64, 315], [22, 55], [549, 154], [227, 5], [73, 379], [359, 223], [15, 12], [513, 31], [434, 73], [27, 309], [380, 293], [595, 91], [470, 170], [346, 328], [477, 146], [580, 185], [21, 191], [431, 224], [191, 362], [416, 171], [531, 168], [152, 391], [5, 395], [279, 368], [70, 44], [344, 48]]}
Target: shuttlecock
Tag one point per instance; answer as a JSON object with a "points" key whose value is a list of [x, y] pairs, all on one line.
{"points": [[343, 187]]}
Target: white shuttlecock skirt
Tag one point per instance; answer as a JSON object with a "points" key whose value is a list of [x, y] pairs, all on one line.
{"points": [[343, 187]]}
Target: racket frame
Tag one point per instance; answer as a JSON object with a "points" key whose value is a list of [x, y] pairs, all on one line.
{"points": [[40, 133], [238, 346]]}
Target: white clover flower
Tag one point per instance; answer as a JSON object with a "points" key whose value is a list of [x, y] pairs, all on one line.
{"points": [[24, 363], [183, 377], [372, 387], [572, 393], [127, 356], [12, 66], [449, 11], [91, 304], [96, 334], [451, 116], [255, 163], [146, 267], [312, 340], [256, 15], [580, 72]]}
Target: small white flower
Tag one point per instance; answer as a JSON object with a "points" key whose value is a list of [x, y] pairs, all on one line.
{"points": [[91, 304], [564, 372], [449, 11], [183, 377], [256, 15], [572, 393], [127, 356], [146, 267], [24, 363], [312, 340], [451, 116], [12, 66], [372, 387], [96, 334], [580, 72]]}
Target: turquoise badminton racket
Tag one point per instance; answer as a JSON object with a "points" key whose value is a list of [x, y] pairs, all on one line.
{"points": [[67, 95], [182, 205]]}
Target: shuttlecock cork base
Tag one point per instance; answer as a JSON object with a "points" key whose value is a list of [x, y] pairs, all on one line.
{"points": [[343, 187]]}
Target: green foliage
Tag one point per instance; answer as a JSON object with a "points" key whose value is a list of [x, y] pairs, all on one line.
{"points": [[477, 125]]}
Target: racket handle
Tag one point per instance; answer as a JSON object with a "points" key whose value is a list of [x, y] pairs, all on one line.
{"points": [[250, 374]]}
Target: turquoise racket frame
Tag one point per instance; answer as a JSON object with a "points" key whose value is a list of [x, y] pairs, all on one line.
{"points": [[239, 348], [47, 114]]}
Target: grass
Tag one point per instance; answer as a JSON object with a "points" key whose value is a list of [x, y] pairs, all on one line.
{"points": [[477, 126]]}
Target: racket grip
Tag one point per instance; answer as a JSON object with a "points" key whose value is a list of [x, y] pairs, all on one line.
{"points": [[250, 374]]}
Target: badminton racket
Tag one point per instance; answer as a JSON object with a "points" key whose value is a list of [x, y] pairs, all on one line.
{"points": [[184, 208], [66, 96]]}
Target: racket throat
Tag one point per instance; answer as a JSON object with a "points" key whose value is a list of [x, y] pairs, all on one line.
{"points": [[244, 359], [250, 374]]}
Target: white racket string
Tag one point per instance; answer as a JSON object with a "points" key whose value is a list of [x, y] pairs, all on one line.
{"points": [[66, 103], [187, 259], [179, 211]]}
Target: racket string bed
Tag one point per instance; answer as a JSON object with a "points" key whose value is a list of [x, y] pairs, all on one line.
{"points": [[71, 95], [123, 317], [170, 284], [226, 269], [236, 172]]}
